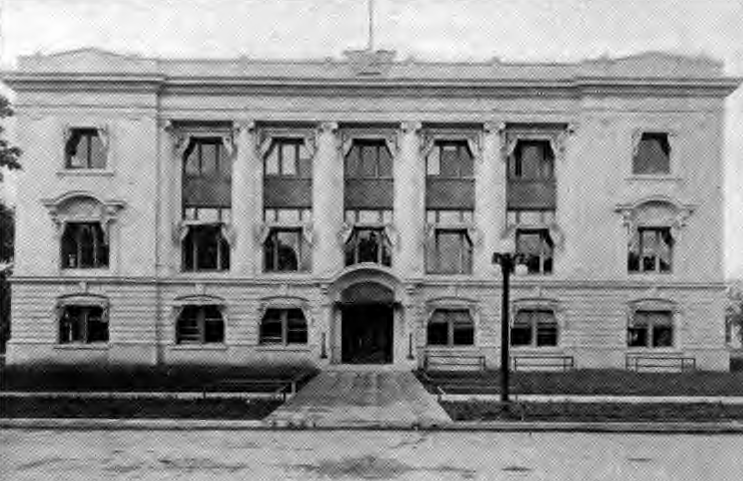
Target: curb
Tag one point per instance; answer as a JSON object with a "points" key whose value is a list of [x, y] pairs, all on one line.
{"points": [[257, 425]]}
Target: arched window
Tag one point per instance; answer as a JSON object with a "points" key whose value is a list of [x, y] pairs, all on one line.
{"points": [[534, 328], [451, 327], [283, 326], [83, 324], [200, 324]]}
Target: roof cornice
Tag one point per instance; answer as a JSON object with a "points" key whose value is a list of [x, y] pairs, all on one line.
{"points": [[371, 86]]}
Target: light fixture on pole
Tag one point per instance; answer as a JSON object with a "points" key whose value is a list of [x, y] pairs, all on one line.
{"points": [[507, 259]]}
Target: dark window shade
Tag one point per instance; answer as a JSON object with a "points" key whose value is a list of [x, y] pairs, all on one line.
{"points": [[369, 194], [653, 154], [287, 193], [205, 248], [531, 195], [450, 193]]}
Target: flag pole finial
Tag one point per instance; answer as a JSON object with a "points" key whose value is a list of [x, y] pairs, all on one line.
{"points": [[370, 45]]}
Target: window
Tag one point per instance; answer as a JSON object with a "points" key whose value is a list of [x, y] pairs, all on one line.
{"points": [[652, 154], [535, 328], [207, 173], [451, 327], [532, 160], [651, 250], [85, 149], [531, 176], [368, 176], [451, 159], [537, 248], [368, 245], [284, 251], [450, 252], [83, 325], [650, 329], [283, 327], [84, 246], [450, 181], [202, 324], [205, 249], [288, 157]]}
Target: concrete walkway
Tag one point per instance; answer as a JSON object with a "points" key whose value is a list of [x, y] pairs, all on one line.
{"points": [[361, 398]]}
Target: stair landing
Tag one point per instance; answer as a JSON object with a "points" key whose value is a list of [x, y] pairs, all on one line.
{"points": [[361, 397]]}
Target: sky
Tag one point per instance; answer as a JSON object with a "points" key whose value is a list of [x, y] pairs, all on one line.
{"points": [[512, 30]]}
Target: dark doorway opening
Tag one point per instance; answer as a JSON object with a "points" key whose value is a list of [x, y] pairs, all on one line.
{"points": [[367, 333]]}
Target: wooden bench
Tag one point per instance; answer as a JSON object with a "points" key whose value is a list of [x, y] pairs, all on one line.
{"points": [[542, 361], [454, 361], [277, 387], [660, 362]]}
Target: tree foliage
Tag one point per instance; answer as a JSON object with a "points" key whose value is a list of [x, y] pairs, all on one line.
{"points": [[9, 154]]}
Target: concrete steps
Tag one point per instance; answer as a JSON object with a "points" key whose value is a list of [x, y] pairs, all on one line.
{"points": [[361, 398]]}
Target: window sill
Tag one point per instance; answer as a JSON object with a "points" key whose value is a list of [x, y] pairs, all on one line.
{"points": [[463, 347], [282, 348], [85, 173], [653, 178], [287, 274], [655, 350], [198, 347], [82, 347], [82, 272], [537, 350]]}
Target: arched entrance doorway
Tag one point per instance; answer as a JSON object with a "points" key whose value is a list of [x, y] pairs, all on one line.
{"points": [[367, 324]]}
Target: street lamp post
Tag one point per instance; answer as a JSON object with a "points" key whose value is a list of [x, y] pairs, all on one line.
{"points": [[507, 262]]}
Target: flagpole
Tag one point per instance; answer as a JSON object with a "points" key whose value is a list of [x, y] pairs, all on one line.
{"points": [[370, 47]]}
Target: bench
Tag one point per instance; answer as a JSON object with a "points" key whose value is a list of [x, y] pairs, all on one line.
{"points": [[277, 387], [660, 362], [542, 361], [454, 361]]}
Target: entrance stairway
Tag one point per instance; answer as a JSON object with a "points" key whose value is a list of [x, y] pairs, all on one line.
{"points": [[361, 398]]}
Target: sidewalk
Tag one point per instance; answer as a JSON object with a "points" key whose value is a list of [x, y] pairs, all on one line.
{"points": [[532, 398]]}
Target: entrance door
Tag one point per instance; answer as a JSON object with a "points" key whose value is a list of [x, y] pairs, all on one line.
{"points": [[367, 334]]}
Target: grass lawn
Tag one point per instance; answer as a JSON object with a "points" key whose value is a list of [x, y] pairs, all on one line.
{"points": [[48, 407], [604, 412], [41, 378], [593, 382]]}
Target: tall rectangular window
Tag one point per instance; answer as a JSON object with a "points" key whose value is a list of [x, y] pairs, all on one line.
{"points": [[207, 199], [287, 204], [449, 252], [83, 324], [531, 177], [84, 246]]}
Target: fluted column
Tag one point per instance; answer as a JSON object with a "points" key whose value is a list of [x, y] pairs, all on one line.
{"points": [[410, 176], [327, 201], [490, 200], [246, 206]]}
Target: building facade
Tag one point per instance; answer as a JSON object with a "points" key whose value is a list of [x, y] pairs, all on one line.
{"points": [[346, 211]]}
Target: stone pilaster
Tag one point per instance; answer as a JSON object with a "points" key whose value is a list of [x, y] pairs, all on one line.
{"points": [[490, 200], [327, 201], [246, 201], [169, 205], [410, 211]]}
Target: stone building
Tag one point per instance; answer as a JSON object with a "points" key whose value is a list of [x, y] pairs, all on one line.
{"points": [[346, 211]]}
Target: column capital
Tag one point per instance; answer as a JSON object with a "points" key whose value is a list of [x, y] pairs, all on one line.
{"points": [[494, 127], [325, 127], [248, 126], [411, 126]]}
